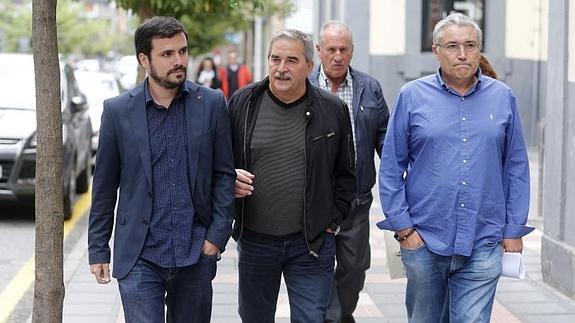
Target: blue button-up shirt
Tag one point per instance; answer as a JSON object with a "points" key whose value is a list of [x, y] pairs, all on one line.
{"points": [[455, 167], [174, 239]]}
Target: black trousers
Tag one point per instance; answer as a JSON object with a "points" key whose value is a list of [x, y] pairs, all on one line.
{"points": [[353, 257]]}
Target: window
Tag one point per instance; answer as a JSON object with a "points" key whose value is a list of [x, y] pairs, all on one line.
{"points": [[435, 10]]}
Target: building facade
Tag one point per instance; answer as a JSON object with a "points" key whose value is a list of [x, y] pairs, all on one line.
{"points": [[558, 242]]}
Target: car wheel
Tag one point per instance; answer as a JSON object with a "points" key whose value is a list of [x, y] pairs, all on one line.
{"points": [[83, 180], [69, 194]]}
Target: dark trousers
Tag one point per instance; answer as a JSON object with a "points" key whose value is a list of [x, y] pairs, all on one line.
{"points": [[262, 262], [353, 259], [186, 292]]}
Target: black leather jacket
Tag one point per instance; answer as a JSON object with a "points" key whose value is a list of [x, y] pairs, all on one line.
{"points": [[330, 180]]}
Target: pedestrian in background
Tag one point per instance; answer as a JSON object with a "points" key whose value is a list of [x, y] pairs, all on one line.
{"points": [[207, 74], [454, 180], [369, 115], [234, 75], [294, 157], [166, 146]]}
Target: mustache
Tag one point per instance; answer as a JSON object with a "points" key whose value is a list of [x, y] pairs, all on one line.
{"points": [[177, 69], [282, 75]]}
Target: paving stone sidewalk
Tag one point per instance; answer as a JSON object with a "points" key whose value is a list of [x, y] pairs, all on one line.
{"points": [[528, 300]]}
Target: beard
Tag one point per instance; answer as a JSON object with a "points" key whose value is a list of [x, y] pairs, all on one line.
{"points": [[164, 81]]}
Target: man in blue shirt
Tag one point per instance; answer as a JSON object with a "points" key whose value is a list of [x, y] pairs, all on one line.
{"points": [[455, 186], [166, 146]]}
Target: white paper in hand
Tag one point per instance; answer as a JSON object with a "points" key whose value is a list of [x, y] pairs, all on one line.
{"points": [[512, 265]]}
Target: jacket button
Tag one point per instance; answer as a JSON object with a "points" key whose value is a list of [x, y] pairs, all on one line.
{"points": [[145, 222], [150, 194]]}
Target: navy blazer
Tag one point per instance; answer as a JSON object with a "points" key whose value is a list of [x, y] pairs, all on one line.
{"points": [[123, 162], [370, 115]]}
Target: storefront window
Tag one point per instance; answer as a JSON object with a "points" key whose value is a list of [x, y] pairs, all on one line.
{"points": [[435, 10]]}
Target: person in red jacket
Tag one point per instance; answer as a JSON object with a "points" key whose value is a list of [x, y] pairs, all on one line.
{"points": [[234, 75]]}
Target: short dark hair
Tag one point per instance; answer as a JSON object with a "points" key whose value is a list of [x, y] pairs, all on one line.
{"points": [[156, 27]]}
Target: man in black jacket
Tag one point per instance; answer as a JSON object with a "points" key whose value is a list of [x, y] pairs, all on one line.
{"points": [[294, 160]]}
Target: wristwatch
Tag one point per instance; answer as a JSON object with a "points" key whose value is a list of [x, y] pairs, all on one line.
{"points": [[400, 239]]}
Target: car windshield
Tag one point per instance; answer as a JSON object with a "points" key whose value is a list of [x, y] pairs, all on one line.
{"points": [[17, 82], [18, 89]]}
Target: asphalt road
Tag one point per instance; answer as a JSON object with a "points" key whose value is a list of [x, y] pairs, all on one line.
{"points": [[17, 252], [16, 240]]}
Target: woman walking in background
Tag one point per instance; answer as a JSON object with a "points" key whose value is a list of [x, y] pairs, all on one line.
{"points": [[207, 75]]}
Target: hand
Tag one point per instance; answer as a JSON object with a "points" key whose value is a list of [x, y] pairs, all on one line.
{"points": [[513, 245], [243, 183], [412, 242], [209, 249], [101, 272], [333, 229]]}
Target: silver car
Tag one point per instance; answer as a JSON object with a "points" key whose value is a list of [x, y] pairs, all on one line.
{"points": [[18, 132]]}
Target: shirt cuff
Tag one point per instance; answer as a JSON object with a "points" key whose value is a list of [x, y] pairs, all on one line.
{"points": [[396, 223], [217, 239], [515, 231]]}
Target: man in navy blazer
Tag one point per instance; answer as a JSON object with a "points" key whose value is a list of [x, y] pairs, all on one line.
{"points": [[166, 146], [369, 116]]}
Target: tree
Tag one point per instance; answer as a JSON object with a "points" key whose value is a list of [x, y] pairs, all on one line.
{"points": [[49, 280], [76, 33], [207, 21]]}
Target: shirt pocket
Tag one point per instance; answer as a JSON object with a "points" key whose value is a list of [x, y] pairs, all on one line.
{"points": [[369, 115]]}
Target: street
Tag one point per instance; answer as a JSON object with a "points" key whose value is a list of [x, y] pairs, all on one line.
{"points": [[17, 256], [17, 244]]}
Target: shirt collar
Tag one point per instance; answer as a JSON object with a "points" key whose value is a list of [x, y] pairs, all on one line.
{"points": [[441, 82], [183, 89], [325, 82]]}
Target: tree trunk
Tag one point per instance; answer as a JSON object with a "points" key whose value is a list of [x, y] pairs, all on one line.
{"points": [[49, 281]]}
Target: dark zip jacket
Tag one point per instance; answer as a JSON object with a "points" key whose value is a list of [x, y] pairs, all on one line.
{"points": [[330, 180], [370, 116]]}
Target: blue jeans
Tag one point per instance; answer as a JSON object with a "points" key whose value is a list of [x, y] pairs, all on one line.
{"points": [[261, 264], [451, 289], [185, 291]]}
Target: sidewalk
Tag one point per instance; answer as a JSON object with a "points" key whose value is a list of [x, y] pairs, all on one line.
{"points": [[528, 300]]}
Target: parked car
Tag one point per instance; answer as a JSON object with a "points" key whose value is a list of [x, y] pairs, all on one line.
{"points": [[97, 86], [18, 132]]}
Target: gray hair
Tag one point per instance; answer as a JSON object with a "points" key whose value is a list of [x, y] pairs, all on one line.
{"points": [[293, 34], [335, 24], [457, 19]]}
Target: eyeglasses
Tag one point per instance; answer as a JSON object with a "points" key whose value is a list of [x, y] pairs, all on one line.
{"points": [[454, 47]]}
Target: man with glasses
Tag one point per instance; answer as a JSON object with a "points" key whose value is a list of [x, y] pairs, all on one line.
{"points": [[455, 186]]}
